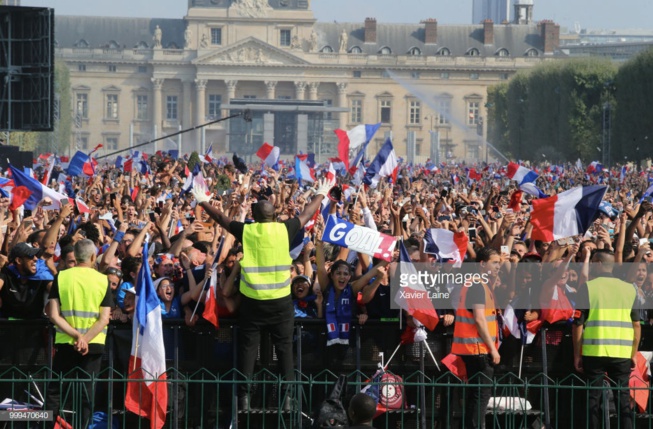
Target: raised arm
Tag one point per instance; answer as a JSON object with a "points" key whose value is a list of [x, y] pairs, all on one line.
{"points": [[310, 209]]}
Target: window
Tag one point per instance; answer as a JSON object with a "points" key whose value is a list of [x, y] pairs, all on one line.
{"points": [[81, 67], [216, 36], [215, 100], [81, 109], [386, 111], [112, 107], [284, 97], [474, 76], [328, 116], [249, 97], [385, 74], [503, 53], [112, 143], [473, 52], [418, 147], [473, 112], [82, 142], [444, 110], [356, 50], [415, 113], [444, 52], [415, 75], [171, 107], [358, 74], [444, 75], [142, 69], [532, 53], [141, 107], [285, 37], [385, 51], [327, 50], [112, 68], [415, 52], [473, 151], [504, 76], [356, 111]]}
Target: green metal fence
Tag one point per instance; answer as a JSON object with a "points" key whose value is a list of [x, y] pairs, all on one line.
{"points": [[202, 381]]}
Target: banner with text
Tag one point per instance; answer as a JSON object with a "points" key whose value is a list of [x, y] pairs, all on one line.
{"points": [[359, 238]]}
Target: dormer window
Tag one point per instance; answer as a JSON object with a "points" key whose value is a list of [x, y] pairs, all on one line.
{"points": [[444, 52], [327, 50], [356, 50], [385, 51], [415, 52], [473, 53]]}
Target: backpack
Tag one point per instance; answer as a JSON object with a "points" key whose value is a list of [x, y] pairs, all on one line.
{"points": [[331, 413]]}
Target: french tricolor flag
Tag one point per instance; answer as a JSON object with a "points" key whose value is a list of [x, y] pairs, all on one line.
{"points": [[413, 297], [147, 398], [208, 156], [302, 170], [521, 174], [446, 244], [357, 137], [331, 173], [81, 163], [595, 167], [210, 313], [37, 191], [567, 214], [269, 154], [385, 164]]}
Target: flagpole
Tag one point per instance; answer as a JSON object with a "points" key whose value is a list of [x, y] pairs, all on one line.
{"points": [[138, 329], [198, 300]]}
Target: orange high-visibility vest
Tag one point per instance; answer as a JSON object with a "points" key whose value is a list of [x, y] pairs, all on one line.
{"points": [[466, 339]]}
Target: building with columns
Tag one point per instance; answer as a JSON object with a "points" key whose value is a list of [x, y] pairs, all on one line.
{"points": [[137, 78]]}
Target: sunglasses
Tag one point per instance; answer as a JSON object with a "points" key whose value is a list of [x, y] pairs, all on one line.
{"points": [[113, 272]]}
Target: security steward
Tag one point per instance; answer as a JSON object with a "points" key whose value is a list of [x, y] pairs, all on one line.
{"points": [[475, 336], [80, 307], [265, 281], [606, 334]]}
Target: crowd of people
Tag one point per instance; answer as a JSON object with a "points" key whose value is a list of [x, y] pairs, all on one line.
{"points": [[206, 233]]}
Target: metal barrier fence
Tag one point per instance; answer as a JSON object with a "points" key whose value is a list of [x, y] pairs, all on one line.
{"points": [[202, 379]]}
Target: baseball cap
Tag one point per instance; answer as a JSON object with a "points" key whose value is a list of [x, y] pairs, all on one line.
{"points": [[302, 278], [131, 290], [23, 250]]}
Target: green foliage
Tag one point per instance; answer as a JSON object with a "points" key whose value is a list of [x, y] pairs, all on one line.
{"points": [[192, 160], [59, 140], [632, 127], [222, 182], [554, 110]]}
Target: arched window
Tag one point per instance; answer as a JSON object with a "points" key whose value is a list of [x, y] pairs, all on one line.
{"points": [[113, 45], [532, 53], [415, 52], [327, 49], [356, 50], [172, 45], [141, 45], [503, 52], [473, 53], [81, 43], [444, 52], [385, 51]]}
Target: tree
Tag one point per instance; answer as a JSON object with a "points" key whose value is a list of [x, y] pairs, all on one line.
{"points": [[192, 160]]}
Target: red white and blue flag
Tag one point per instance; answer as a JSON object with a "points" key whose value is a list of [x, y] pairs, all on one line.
{"points": [[269, 154], [147, 390], [34, 191], [384, 164], [567, 214], [413, 296], [302, 170], [446, 244], [355, 140], [208, 156]]}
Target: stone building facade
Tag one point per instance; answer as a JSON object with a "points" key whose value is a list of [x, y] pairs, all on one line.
{"points": [[137, 78]]}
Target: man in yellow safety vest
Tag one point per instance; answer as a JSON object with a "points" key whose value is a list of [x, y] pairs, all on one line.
{"points": [[606, 334]]}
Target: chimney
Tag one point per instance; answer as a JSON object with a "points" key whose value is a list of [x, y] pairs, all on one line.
{"points": [[430, 31], [550, 32], [370, 30], [488, 32]]}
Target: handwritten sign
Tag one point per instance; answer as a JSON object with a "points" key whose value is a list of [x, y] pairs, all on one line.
{"points": [[359, 238]]}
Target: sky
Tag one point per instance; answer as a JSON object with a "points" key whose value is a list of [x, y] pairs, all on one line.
{"points": [[591, 14]]}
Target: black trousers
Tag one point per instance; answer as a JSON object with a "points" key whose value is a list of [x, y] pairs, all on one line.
{"points": [[618, 371], [66, 359], [480, 371], [276, 317]]}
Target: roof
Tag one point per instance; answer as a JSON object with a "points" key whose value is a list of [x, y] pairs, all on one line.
{"points": [[99, 32]]}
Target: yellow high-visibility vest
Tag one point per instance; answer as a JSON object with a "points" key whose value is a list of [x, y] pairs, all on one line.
{"points": [[609, 328], [81, 291], [265, 267]]}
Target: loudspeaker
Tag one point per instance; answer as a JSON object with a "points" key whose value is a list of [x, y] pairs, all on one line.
{"points": [[26, 159], [9, 153], [26, 68]]}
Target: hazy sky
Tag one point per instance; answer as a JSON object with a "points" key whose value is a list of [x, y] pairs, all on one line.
{"points": [[594, 14]]}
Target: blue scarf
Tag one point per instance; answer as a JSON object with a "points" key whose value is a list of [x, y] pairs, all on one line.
{"points": [[42, 272], [338, 316], [305, 308]]}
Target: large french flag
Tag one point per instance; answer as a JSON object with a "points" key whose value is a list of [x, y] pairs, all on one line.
{"points": [[302, 170], [357, 137], [37, 190], [413, 297], [385, 164], [269, 154], [446, 244], [567, 214], [81, 163], [147, 391], [521, 174]]}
